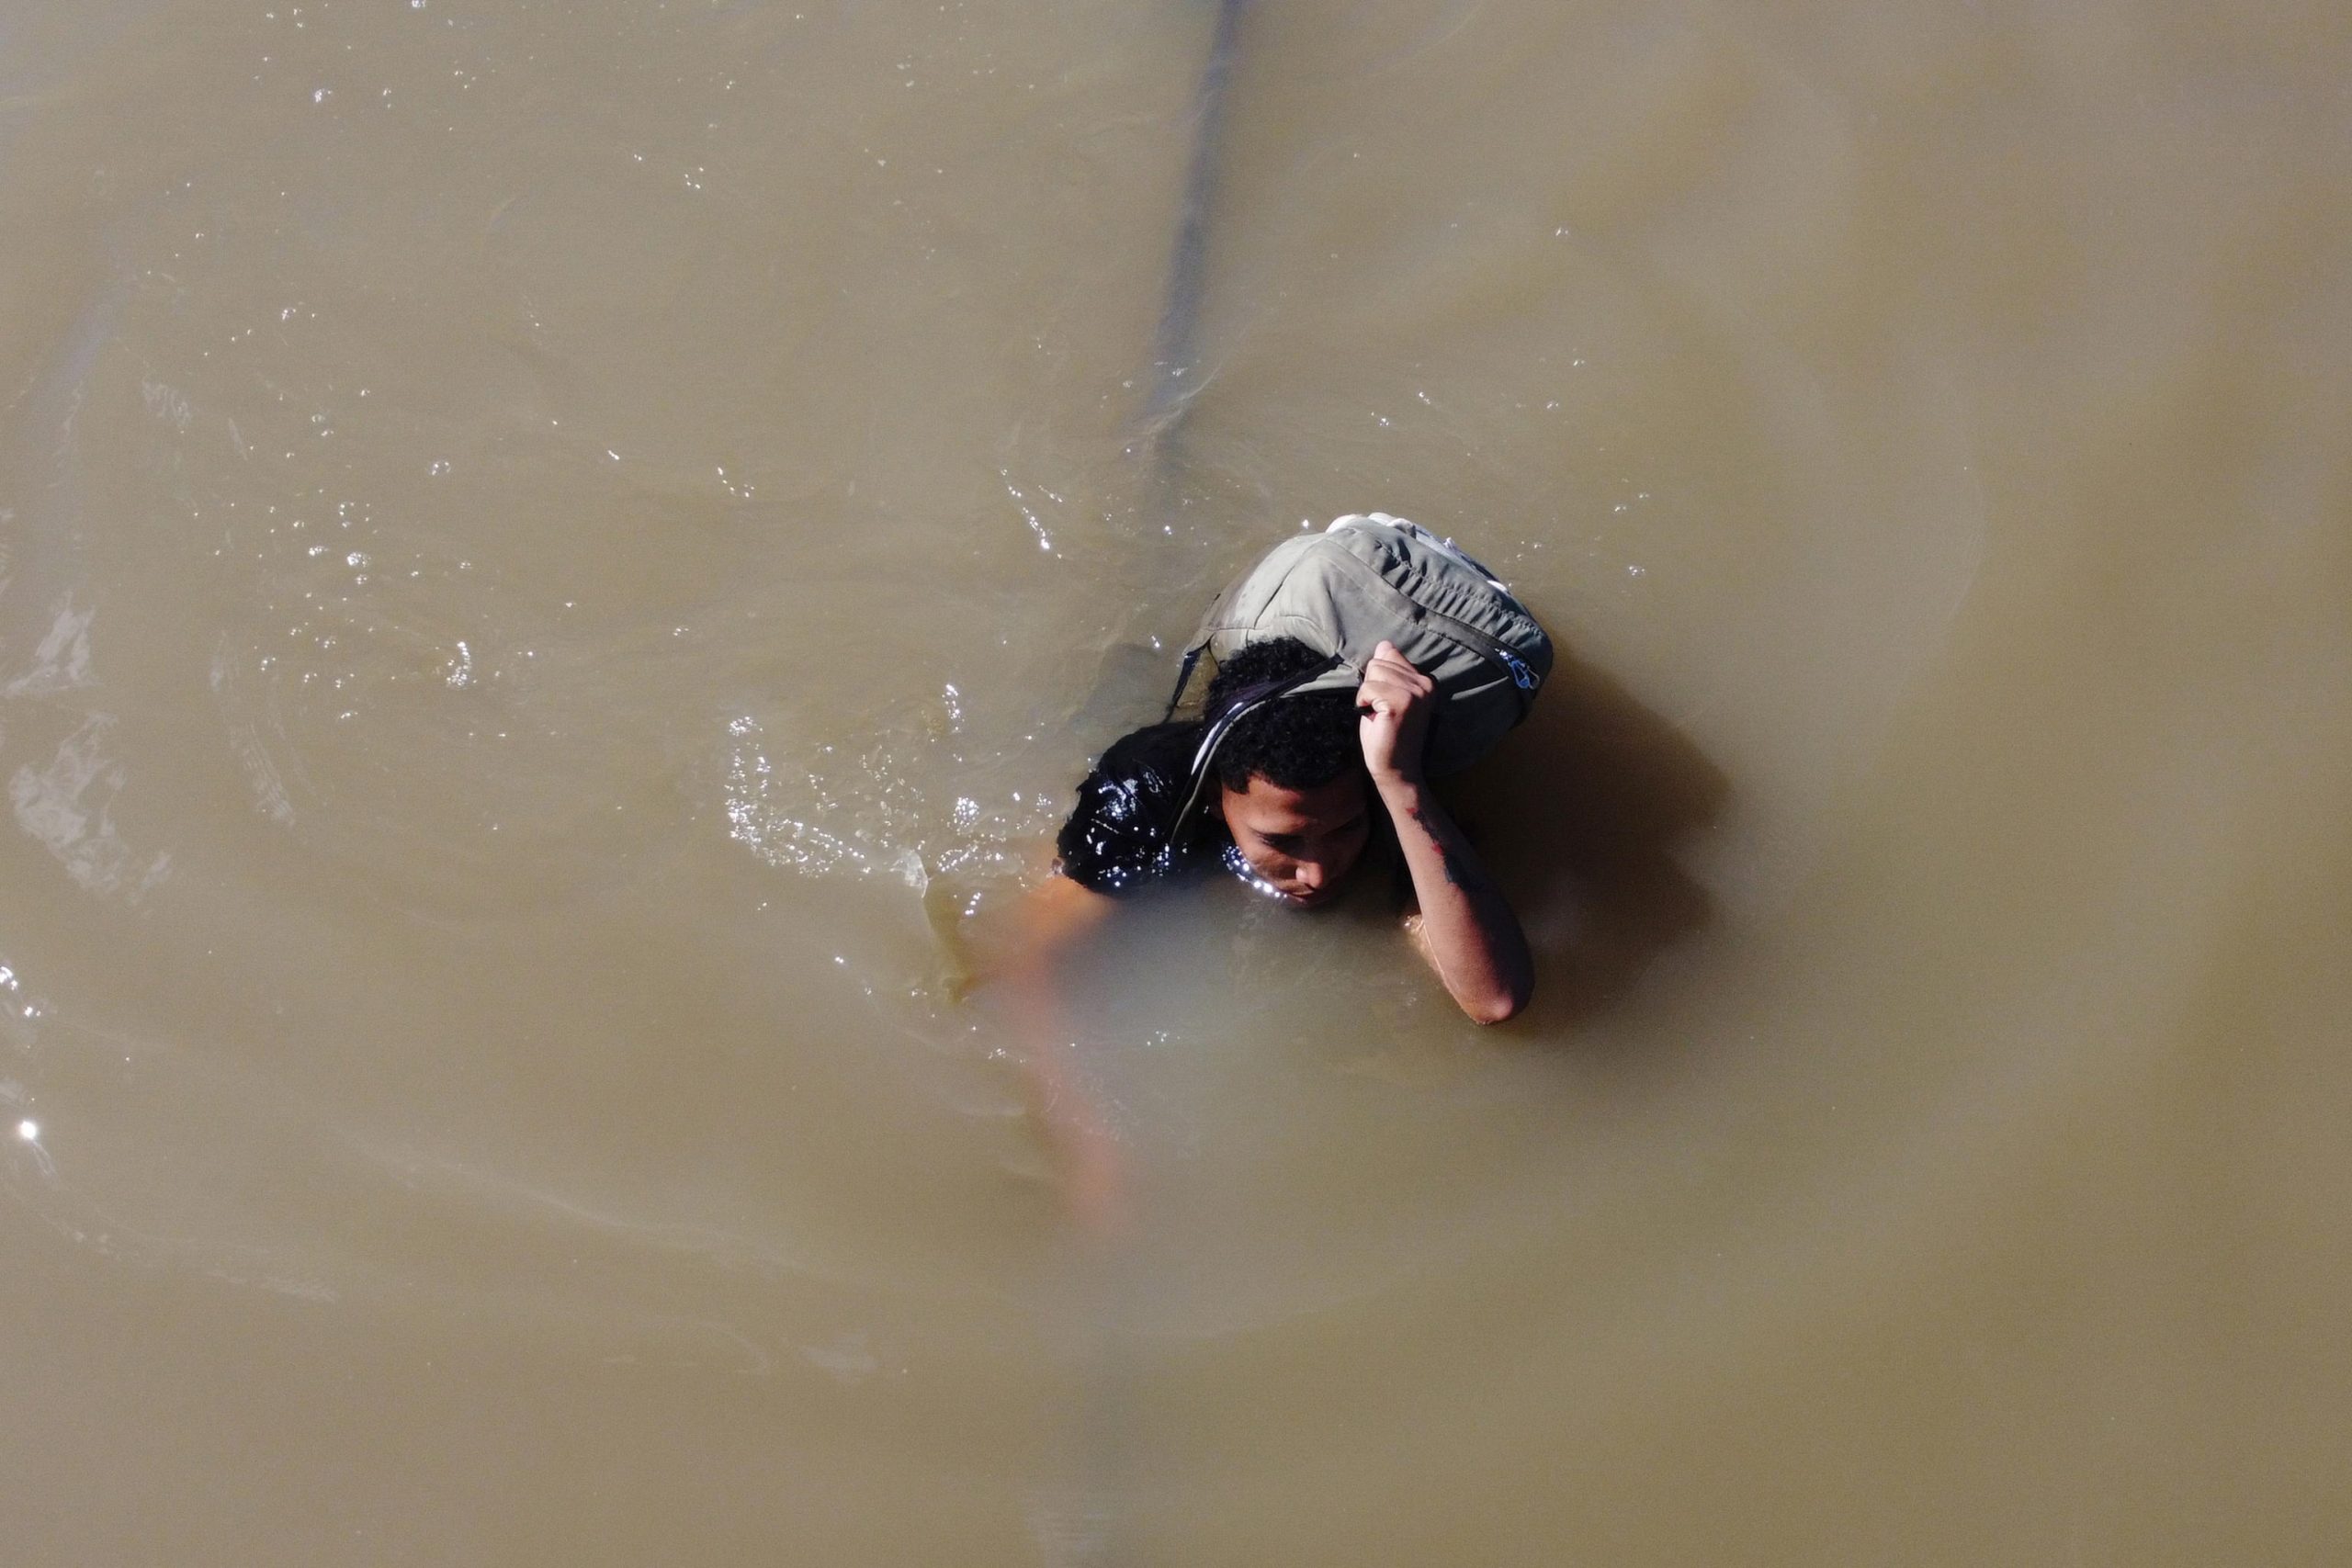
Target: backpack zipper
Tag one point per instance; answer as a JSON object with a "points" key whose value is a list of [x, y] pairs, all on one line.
{"points": [[1523, 675]]}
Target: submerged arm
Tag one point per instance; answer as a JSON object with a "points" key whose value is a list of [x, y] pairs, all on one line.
{"points": [[1055, 919]]}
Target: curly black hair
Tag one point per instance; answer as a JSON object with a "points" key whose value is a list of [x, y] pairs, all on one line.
{"points": [[1297, 741]]}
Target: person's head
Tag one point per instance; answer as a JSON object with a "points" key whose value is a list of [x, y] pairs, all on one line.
{"points": [[1290, 783]]}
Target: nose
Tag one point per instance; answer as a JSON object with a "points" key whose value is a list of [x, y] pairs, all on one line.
{"points": [[1310, 875]]}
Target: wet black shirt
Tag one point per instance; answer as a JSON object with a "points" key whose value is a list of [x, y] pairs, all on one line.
{"points": [[1119, 838]]}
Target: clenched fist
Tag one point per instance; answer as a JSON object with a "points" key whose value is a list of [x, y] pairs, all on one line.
{"points": [[1393, 704]]}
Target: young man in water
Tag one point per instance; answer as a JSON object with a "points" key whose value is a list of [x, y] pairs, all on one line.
{"points": [[1290, 807]]}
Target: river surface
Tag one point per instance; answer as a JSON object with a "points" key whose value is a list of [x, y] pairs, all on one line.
{"points": [[559, 565]]}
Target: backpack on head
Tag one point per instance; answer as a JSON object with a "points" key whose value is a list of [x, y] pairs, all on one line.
{"points": [[1369, 580]]}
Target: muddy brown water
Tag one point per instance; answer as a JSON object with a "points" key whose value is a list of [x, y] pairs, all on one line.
{"points": [[556, 560]]}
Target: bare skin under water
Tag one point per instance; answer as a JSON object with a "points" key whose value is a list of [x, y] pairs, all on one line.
{"points": [[546, 558]]}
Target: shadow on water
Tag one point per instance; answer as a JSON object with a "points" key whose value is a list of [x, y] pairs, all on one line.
{"points": [[1579, 815]]}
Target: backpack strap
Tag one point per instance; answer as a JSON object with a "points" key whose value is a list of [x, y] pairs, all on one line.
{"points": [[1242, 706], [1183, 679]]}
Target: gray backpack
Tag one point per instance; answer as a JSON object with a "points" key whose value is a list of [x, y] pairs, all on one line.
{"points": [[1366, 579]]}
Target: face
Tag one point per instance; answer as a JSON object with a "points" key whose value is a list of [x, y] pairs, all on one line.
{"points": [[1299, 843]]}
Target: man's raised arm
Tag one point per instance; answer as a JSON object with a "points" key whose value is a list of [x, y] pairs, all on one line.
{"points": [[1467, 931]]}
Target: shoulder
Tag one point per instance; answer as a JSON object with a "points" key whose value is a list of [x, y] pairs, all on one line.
{"points": [[1123, 833], [1164, 749]]}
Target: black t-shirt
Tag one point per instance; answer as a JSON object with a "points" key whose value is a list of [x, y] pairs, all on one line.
{"points": [[1120, 837]]}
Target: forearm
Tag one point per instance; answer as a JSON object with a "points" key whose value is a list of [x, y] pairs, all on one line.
{"points": [[1467, 928], [1065, 1112]]}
